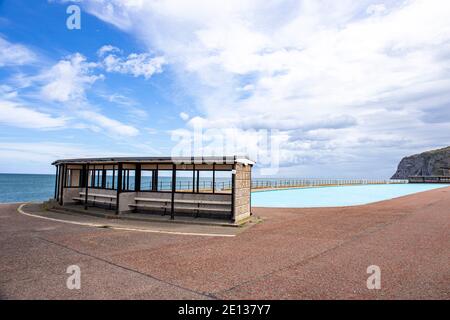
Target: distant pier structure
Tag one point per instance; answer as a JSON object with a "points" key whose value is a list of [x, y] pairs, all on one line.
{"points": [[444, 178], [206, 187]]}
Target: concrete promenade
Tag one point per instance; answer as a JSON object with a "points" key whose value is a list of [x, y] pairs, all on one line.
{"points": [[320, 253]]}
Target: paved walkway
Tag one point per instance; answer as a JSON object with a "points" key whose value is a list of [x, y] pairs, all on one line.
{"points": [[292, 254], [151, 225]]}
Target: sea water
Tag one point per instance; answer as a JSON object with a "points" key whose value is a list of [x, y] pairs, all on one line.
{"points": [[41, 187], [26, 187]]}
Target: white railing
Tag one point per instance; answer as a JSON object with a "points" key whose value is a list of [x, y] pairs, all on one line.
{"points": [[290, 183]]}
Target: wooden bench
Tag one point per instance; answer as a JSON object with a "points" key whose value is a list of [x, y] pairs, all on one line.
{"points": [[157, 203], [102, 197]]}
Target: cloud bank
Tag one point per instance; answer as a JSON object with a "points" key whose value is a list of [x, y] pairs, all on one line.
{"points": [[347, 82], [62, 88], [13, 54]]}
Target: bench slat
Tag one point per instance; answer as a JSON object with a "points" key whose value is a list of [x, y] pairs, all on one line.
{"points": [[203, 209], [228, 203], [152, 199], [149, 206], [101, 201], [91, 200], [184, 201], [98, 195], [178, 208]]}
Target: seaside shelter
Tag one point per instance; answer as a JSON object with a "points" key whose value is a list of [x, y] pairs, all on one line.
{"points": [[210, 187]]}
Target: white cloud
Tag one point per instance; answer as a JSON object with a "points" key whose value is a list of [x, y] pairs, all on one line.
{"points": [[105, 49], [120, 99], [112, 127], [36, 155], [63, 87], [135, 64], [376, 8], [16, 115], [44, 151], [68, 79], [131, 106], [184, 116], [14, 54], [7, 92]]}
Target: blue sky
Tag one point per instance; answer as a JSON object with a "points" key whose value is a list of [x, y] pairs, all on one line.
{"points": [[306, 88]]}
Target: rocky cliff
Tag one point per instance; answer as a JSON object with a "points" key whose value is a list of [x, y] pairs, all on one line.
{"points": [[428, 163]]}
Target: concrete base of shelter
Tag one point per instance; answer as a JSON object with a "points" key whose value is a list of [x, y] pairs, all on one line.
{"points": [[139, 216]]}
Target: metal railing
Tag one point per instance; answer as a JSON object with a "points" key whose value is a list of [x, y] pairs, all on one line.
{"points": [[293, 183], [225, 186], [182, 186], [189, 186], [429, 179]]}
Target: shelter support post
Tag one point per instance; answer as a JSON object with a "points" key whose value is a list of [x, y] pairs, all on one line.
{"points": [[86, 186], [119, 186], [174, 178]]}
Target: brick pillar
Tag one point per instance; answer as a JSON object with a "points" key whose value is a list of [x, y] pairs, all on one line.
{"points": [[242, 192]]}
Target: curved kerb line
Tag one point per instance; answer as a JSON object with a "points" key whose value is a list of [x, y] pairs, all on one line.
{"points": [[95, 225]]}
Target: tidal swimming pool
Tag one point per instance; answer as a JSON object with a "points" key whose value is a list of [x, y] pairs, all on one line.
{"points": [[336, 196]]}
